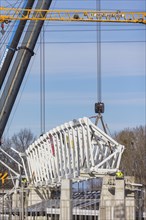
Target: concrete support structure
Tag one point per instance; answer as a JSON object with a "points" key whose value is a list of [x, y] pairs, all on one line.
{"points": [[117, 202], [66, 200], [130, 201], [106, 199], [144, 214]]}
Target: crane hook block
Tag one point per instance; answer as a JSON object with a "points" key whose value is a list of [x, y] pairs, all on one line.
{"points": [[99, 107]]}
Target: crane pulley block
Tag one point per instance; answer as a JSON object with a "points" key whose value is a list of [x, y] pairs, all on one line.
{"points": [[99, 107]]}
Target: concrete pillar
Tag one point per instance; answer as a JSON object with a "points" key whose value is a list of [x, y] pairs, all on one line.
{"points": [[130, 203], [144, 205], [116, 202], [119, 204], [66, 200], [130, 207], [107, 199], [16, 204]]}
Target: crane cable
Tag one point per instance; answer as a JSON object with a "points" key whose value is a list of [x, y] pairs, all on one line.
{"points": [[98, 7], [99, 106], [42, 80]]}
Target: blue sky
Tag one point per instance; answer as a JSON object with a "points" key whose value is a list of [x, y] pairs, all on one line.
{"points": [[71, 72]]}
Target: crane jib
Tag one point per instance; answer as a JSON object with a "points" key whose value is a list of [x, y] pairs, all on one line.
{"points": [[9, 14]]}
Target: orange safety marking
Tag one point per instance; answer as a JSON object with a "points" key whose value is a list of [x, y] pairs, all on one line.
{"points": [[3, 177]]}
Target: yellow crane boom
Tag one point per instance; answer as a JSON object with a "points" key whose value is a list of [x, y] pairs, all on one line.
{"points": [[9, 14]]}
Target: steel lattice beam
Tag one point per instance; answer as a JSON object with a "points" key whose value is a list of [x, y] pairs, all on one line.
{"points": [[71, 150], [9, 14]]}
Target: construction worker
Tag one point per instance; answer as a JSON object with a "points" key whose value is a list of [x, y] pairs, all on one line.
{"points": [[24, 182], [119, 174]]}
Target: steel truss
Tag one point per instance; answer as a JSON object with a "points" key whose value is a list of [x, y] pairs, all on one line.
{"points": [[73, 150]]}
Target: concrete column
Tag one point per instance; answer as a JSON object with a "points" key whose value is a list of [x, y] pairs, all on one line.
{"points": [[144, 208], [66, 200], [107, 199], [119, 208], [130, 212], [16, 204], [130, 203], [117, 202]]}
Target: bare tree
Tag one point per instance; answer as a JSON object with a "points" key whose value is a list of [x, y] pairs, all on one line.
{"points": [[22, 140], [134, 157], [19, 141]]}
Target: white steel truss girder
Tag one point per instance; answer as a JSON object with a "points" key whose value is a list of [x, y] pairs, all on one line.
{"points": [[70, 150]]}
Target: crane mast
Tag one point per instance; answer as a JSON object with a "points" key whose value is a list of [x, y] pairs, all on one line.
{"points": [[25, 52], [13, 43]]}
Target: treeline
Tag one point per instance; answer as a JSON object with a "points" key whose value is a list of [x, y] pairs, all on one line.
{"points": [[133, 160], [134, 157], [19, 142]]}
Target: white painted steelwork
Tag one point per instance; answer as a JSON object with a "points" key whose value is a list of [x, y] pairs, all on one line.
{"points": [[71, 150]]}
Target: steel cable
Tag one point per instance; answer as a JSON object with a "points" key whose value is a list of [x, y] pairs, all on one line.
{"points": [[98, 8]]}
